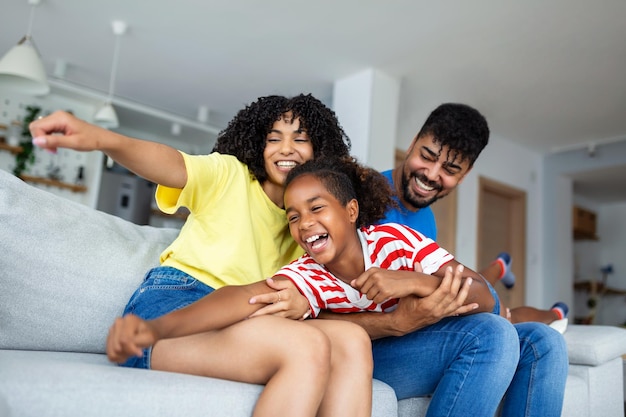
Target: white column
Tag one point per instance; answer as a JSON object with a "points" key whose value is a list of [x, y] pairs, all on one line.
{"points": [[366, 104]]}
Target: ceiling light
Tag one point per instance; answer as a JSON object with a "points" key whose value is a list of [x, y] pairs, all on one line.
{"points": [[21, 68], [106, 116]]}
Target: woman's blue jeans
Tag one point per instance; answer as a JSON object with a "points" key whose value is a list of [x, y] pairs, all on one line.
{"points": [[467, 364]]}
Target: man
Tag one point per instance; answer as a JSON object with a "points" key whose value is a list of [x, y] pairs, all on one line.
{"points": [[438, 159], [466, 363]]}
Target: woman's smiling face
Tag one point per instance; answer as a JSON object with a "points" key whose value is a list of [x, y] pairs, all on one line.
{"points": [[286, 146]]}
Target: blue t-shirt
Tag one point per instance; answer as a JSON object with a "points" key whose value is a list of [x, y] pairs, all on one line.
{"points": [[422, 220]]}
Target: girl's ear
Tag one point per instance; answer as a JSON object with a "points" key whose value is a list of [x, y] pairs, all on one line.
{"points": [[353, 210]]}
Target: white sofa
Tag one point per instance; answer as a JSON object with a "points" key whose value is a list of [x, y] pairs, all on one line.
{"points": [[66, 271]]}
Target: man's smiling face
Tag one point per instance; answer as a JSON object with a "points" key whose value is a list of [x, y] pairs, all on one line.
{"points": [[430, 172]]}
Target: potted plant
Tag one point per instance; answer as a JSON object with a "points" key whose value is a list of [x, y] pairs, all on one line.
{"points": [[26, 157]]}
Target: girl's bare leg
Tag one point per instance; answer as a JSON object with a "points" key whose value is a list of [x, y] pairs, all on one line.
{"points": [[349, 389], [291, 358], [522, 314], [492, 273]]}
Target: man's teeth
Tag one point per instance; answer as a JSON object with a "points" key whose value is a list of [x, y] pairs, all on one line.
{"points": [[423, 186], [286, 164]]}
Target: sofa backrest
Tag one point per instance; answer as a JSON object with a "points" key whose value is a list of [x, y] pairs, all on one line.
{"points": [[66, 270]]}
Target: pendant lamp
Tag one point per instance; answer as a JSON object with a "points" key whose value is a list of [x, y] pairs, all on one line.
{"points": [[21, 68], [106, 116]]}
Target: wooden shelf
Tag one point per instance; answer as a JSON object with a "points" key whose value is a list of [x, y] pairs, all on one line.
{"points": [[586, 286], [578, 235], [54, 183], [13, 149]]}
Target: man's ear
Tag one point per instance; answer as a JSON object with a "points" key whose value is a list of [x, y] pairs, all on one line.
{"points": [[353, 210], [411, 146]]}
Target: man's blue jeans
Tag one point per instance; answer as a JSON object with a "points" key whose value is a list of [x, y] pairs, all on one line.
{"points": [[467, 364]]}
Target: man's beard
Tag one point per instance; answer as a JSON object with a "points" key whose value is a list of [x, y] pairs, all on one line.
{"points": [[417, 201]]}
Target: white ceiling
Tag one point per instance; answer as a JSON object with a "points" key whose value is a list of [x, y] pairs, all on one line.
{"points": [[548, 75]]}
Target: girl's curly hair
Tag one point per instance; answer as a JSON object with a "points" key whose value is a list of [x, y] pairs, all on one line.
{"points": [[346, 179], [245, 135]]}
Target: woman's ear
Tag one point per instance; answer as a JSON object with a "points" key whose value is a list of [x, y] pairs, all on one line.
{"points": [[353, 210]]}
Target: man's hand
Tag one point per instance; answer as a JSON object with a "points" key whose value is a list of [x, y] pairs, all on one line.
{"points": [[286, 301], [447, 300], [413, 312], [128, 336]]}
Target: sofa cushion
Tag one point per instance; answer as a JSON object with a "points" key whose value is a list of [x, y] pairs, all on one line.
{"points": [[594, 345], [83, 384], [66, 270]]}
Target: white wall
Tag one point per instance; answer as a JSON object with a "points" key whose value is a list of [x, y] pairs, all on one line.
{"points": [[591, 255], [558, 245], [612, 232]]}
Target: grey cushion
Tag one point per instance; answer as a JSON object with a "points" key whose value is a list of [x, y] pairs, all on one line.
{"points": [[594, 345], [66, 270], [65, 384]]}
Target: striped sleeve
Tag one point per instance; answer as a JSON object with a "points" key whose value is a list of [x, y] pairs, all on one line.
{"points": [[398, 247], [325, 291]]}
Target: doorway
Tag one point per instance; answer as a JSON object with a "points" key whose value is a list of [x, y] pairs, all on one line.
{"points": [[502, 227]]}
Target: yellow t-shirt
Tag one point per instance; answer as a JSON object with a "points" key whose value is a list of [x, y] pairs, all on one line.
{"points": [[235, 234]]}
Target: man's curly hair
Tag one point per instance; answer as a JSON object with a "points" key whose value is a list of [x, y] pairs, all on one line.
{"points": [[346, 179], [459, 127], [245, 135]]}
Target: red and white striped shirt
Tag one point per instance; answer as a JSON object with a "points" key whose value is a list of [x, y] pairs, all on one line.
{"points": [[389, 246]]}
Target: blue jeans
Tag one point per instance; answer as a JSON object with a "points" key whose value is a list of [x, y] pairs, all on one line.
{"points": [[467, 364], [164, 289], [538, 386]]}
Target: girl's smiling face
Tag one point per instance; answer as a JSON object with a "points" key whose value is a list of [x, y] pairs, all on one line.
{"points": [[320, 224]]}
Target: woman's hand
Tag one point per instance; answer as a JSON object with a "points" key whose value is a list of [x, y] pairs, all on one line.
{"points": [[63, 130], [128, 336], [286, 301]]}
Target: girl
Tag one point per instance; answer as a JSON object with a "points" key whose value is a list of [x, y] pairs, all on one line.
{"points": [[329, 204], [236, 234]]}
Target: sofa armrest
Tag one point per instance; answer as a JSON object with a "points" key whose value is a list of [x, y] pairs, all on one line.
{"points": [[594, 345]]}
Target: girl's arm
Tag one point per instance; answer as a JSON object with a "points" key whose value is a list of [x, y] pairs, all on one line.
{"points": [[153, 161], [223, 307]]}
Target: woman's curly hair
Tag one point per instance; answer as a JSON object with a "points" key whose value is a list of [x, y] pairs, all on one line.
{"points": [[346, 179], [245, 135]]}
